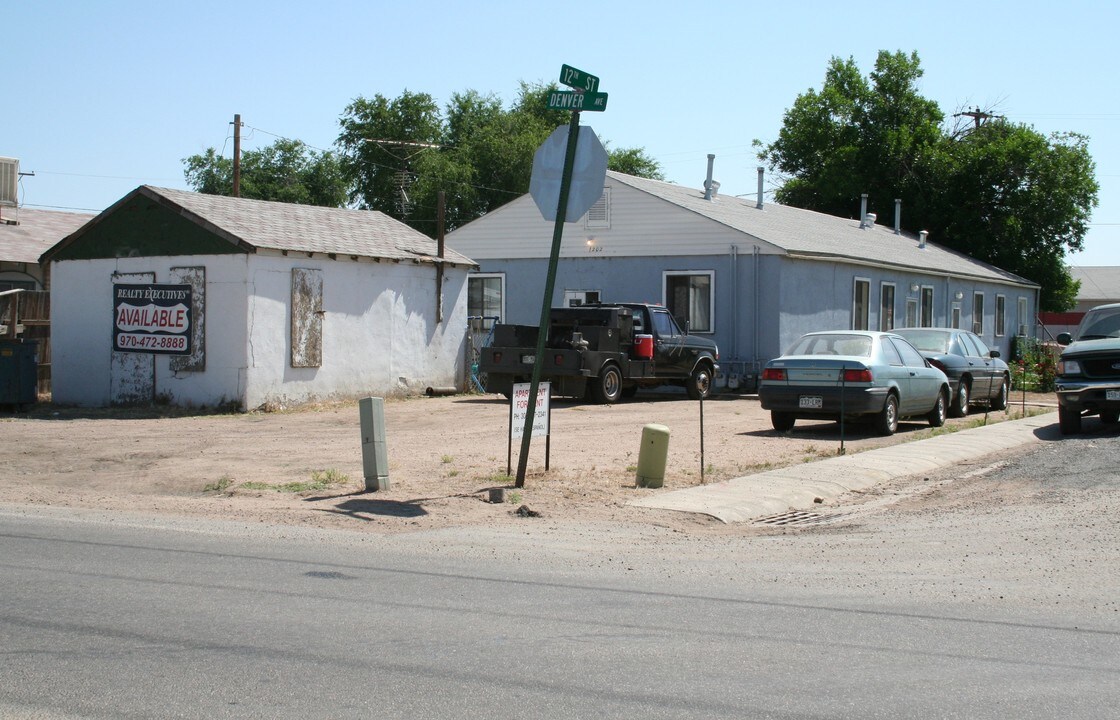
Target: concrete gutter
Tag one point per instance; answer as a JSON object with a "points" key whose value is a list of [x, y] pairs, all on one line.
{"points": [[797, 487]]}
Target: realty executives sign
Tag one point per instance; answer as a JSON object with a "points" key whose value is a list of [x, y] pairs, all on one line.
{"points": [[152, 318]]}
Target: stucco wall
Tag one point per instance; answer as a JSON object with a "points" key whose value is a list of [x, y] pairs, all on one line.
{"points": [[379, 331], [82, 330]]}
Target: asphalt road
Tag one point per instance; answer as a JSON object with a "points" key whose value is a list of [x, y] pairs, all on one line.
{"points": [[931, 601]]}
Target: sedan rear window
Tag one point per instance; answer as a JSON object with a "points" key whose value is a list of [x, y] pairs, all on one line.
{"points": [[838, 344], [933, 342]]}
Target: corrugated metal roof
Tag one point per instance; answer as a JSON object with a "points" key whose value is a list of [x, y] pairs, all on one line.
{"points": [[36, 232], [308, 228], [817, 235]]}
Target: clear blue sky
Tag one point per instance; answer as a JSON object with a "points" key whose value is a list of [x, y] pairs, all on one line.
{"points": [[101, 97]]}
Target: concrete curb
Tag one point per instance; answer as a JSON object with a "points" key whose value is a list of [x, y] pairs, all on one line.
{"points": [[797, 487]]}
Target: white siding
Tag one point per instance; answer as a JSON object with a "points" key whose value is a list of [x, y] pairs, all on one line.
{"points": [[641, 225]]}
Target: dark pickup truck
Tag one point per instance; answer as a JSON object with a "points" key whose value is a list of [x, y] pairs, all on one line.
{"points": [[1088, 372], [602, 352]]}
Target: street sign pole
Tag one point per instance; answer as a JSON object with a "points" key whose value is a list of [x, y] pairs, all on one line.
{"points": [[550, 283]]}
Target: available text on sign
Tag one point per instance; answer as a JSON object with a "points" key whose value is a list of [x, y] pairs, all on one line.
{"points": [[152, 318]]}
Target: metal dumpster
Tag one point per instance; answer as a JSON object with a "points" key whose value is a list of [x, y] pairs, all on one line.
{"points": [[19, 373]]}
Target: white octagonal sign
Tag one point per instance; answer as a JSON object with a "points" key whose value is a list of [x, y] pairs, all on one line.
{"points": [[588, 173]]}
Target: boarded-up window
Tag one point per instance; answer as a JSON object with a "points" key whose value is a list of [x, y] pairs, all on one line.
{"points": [[196, 278], [307, 318]]}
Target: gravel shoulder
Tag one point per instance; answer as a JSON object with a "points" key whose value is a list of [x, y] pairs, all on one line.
{"points": [[303, 467]]}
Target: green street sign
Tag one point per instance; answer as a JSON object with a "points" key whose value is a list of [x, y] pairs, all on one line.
{"points": [[578, 79], [572, 100]]}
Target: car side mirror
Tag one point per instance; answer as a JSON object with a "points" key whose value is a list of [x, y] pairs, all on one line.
{"points": [[1064, 338], [994, 354]]}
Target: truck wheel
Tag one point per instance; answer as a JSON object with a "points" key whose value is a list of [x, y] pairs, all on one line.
{"points": [[699, 385], [607, 388], [1069, 420]]}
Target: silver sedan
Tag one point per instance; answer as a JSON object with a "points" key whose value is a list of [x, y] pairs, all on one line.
{"points": [[853, 374]]}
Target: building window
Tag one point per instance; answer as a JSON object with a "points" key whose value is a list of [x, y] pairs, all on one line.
{"points": [[486, 299], [599, 216], [17, 285], [688, 296], [1001, 315], [886, 307], [861, 302], [956, 321], [978, 313], [575, 298], [927, 306], [911, 312], [1024, 325]]}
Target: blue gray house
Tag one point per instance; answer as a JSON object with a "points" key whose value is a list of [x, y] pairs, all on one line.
{"points": [[753, 276]]}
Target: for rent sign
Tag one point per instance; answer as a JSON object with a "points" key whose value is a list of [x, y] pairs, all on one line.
{"points": [[519, 408], [152, 319]]}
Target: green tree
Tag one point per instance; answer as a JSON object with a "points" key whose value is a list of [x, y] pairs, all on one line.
{"points": [[1018, 200], [476, 151], [380, 141], [1002, 193], [286, 171], [634, 161]]}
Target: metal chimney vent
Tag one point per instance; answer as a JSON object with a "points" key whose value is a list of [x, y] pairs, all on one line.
{"points": [[9, 182]]}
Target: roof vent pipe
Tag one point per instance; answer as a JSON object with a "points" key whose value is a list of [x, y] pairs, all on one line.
{"points": [[759, 203], [922, 238], [708, 181], [898, 216], [863, 211], [871, 218]]}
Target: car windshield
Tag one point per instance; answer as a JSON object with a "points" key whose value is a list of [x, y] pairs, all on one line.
{"points": [[1100, 324], [832, 344], [927, 340]]}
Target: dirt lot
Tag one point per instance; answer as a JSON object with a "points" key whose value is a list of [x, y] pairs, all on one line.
{"points": [[445, 454]]}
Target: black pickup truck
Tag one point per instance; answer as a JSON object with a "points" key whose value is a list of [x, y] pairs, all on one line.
{"points": [[602, 352]]}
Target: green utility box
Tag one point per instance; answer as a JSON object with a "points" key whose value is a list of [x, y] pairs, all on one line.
{"points": [[652, 456], [375, 456], [19, 373]]}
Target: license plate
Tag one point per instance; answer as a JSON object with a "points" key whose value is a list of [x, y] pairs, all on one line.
{"points": [[810, 402], [528, 359], [1112, 394]]}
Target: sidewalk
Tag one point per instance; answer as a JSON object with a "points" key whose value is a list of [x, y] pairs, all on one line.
{"points": [[796, 487]]}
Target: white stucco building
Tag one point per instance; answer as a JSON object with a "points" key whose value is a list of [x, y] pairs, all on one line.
{"points": [[288, 304]]}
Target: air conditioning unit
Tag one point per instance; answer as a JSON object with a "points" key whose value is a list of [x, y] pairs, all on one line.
{"points": [[9, 182]]}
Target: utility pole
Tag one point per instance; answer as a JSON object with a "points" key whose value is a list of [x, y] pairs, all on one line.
{"points": [[237, 155], [440, 210], [977, 116]]}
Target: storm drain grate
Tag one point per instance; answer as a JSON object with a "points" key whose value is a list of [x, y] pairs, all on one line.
{"points": [[800, 517]]}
